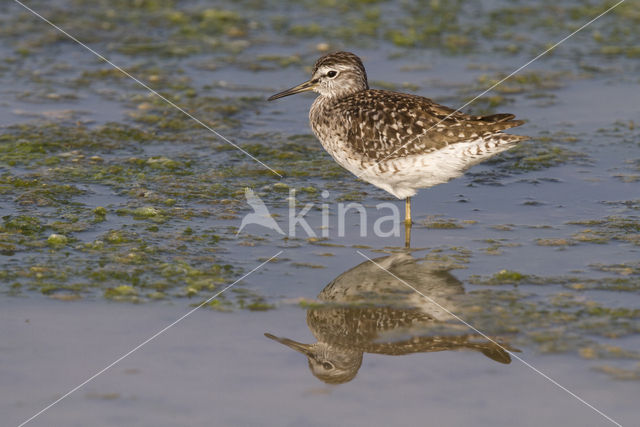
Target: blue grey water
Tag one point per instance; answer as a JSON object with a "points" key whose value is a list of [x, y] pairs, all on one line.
{"points": [[217, 368]]}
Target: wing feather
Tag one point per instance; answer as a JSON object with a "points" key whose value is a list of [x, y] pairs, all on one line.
{"points": [[385, 125]]}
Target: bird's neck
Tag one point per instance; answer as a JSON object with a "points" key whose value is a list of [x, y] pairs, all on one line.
{"points": [[318, 111], [326, 99], [337, 93]]}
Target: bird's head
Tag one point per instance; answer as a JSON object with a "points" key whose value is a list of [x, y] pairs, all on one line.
{"points": [[334, 75], [329, 364]]}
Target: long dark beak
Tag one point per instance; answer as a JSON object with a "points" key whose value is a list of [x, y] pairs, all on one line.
{"points": [[302, 87], [299, 347]]}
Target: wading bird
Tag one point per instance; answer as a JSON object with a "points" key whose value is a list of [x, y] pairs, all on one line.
{"points": [[396, 141]]}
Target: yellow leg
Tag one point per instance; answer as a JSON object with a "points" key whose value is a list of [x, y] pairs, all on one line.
{"points": [[407, 223]]}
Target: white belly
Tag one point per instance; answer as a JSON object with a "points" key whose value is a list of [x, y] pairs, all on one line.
{"points": [[402, 177]]}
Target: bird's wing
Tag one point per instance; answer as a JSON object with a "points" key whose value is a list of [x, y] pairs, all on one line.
{"points": [[384, 125], [261, 215], [255, 202]]}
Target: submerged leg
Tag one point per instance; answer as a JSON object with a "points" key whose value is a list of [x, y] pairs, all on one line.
{"points": [[407, 235]]}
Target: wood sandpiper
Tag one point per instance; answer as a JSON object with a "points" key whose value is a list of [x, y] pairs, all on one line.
{"points": [[396, 141], [367, 311]]}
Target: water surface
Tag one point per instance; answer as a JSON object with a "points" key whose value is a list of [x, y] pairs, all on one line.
{"points": [[537, 248]]}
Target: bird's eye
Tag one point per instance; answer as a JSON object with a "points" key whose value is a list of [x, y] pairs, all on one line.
{"points": [[331, 74], [327, 365]]}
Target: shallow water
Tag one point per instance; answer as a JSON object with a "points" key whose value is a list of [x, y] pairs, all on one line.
{"points": [[537, 249]]}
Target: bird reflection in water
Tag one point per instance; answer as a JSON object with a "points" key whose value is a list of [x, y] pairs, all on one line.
{"points": [[367, 310]]}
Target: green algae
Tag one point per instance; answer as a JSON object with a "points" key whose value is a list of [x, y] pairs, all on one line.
{"points": [[562, 322], [122, 293], [53, 144], [219, 304], [21, 224], [452, 27], [504, 277], [259, 305], [57, 240], [146, 212], [97, 163], [117, 262], [560, 242], [176, 257], [527, 157], [250, 300], [437, 24], [618, 373], [629, 282], [602, 231], [439, 223], [622, 269], [307, 265], [496, 246]]}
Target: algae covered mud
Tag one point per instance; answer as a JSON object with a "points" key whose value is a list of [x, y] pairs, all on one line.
{"points": [[118, 214]]}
